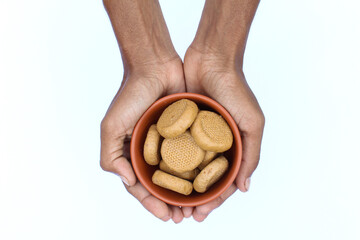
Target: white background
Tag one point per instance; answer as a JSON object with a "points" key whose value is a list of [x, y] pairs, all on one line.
{"points": [[60, 67]]}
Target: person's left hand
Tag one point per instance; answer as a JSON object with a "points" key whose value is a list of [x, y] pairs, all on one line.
{"points": [[213, 75]]}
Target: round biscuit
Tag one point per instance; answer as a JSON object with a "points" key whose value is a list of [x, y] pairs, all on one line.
{"points": [[211, 132], [181, 153], [177, 118]]}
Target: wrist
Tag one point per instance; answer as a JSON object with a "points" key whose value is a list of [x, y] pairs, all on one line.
{"points": [[212, 60], [141, 32], [167, 74], [224, 27], [147, 56], [213, 37], [147, 63], [209, 41]]}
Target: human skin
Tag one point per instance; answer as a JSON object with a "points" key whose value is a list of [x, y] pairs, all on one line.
{"points": [[152, 69], [213, 66]]}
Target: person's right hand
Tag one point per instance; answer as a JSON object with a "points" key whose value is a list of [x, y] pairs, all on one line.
{"points": [[142, 85]]}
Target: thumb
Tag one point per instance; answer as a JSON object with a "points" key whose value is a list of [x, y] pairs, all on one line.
{"points": [[251, 144], [112, 157]]}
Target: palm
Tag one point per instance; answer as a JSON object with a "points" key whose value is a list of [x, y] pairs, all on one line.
{"points": [[137, 92], [134, 98], [209, 75]]}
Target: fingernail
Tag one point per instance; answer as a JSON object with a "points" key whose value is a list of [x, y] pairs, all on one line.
{"points": [[187, 214], [124, 180], [165, 219], [247, 184]]}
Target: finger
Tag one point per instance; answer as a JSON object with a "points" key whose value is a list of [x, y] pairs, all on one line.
{"points": [[251, 142], [123, 168], [177, 215], [187, 211], [202, 211], [158, 208], [112, 156], [199, 217]]}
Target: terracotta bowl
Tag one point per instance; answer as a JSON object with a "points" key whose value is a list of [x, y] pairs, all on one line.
{"points": [[144, 171]]}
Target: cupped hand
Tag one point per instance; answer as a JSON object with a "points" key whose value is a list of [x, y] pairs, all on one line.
{"points": [[141, 86], [220, 78]]}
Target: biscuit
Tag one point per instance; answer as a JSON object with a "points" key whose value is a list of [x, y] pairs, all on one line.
{"points": [[209, 156], [189, 175], [211, 132], [210, 174], [173, 183], [152, 146], [181, 153], [177, 118]]}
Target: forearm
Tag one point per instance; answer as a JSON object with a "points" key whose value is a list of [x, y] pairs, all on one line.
{"points": [[224, 27], [141, 31]]}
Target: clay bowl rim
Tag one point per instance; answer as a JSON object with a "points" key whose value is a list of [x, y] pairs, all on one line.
{"points": [[235, 161]]}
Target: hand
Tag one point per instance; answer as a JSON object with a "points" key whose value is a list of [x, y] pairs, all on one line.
{"points": [[141, 86], [152, 69], [142, 35], [212, 75]]}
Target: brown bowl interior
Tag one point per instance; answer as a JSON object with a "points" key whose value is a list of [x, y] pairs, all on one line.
{"points": [[144, 171]]}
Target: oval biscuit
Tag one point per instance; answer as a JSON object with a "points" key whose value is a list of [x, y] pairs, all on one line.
{"points": [[171, 182], [188, 175], [209, 156], [152, 146], [210, 174]]}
